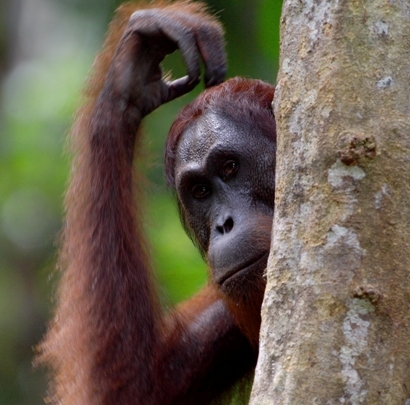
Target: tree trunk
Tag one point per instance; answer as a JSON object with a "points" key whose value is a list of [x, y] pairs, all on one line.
{"points": [[336, 314]]}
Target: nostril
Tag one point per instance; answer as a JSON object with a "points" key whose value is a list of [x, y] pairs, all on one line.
{"points": [[220, 229], [228, 225]]}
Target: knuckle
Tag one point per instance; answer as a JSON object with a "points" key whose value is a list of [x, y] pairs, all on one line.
{"points": [[140, 15]]}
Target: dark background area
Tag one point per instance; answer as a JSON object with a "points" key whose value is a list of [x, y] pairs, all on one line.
{"points": [[46, 50]]}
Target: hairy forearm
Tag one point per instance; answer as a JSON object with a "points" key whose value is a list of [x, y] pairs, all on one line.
{"points": [[121, 287]]}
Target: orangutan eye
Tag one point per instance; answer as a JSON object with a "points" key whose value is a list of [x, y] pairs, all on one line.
{"points": [[229, 169], [200, 191]]}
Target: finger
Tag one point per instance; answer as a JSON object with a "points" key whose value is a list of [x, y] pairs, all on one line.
{"points": [[147, 24], [161, 92], [155, 23], [187, 45], [211, 46], [208, 35], [179, 87]]}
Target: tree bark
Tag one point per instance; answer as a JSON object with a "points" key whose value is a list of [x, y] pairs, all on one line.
{"points": [[336, 314]]}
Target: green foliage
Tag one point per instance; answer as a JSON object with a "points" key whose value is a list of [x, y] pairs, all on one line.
{"points": [[179, 266]]}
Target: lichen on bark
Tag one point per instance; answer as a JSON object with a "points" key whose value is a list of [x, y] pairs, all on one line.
{"points": [[336, 314]]}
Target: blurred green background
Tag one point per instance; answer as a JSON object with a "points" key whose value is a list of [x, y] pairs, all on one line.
{"points": [[46, 50]]}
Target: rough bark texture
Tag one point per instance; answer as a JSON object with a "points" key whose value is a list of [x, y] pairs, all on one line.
{"points": [[336, 315]]}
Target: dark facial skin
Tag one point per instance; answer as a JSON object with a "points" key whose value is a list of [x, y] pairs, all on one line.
{"points": [[225, 184]]}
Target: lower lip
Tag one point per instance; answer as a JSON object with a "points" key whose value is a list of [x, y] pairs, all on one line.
{"points": [[249, 267]]}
